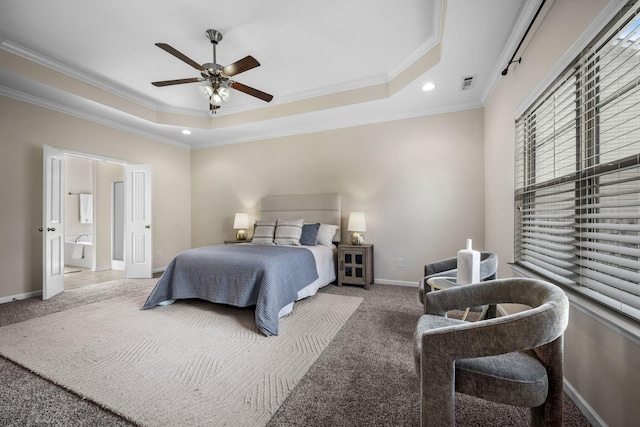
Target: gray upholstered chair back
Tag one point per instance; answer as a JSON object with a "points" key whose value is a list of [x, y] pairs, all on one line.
{"points": [[514, 359], [449, 268]]}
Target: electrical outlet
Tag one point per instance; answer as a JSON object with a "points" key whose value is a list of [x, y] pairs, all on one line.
{"points": [[158, 254], [399, 263]]}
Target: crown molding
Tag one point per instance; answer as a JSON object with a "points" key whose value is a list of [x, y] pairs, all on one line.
{"points": [[334, 125], [127, 93], [524, 19], [601, 20], [81, 114], [102, 84], [432, 42]]}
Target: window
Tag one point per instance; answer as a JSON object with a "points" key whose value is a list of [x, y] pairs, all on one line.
{"points": [[577, 199]]}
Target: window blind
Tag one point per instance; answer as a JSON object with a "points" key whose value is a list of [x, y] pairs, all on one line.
{"points": [[577, 199]]}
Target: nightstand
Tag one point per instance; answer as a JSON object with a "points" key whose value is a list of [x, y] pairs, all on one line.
{"points": [[355, 265], [235, 242]]}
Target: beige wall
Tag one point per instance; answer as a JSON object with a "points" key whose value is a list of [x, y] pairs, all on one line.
{"points": [[24, 130], [601, 364], [418, 181]]}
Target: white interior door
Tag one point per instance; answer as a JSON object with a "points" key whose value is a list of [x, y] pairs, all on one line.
{"points": [[138, 233], [53, 223]]}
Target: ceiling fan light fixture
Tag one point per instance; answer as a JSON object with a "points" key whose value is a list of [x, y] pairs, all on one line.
{"points": [[205, 92], [216, 99], [217, 86], [225, 92]]}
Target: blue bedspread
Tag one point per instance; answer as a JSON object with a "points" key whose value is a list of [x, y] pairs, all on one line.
{"points": [[268, 277]]}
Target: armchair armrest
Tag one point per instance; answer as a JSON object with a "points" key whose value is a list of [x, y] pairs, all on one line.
{"points": [[515, 332], [441, 344]]}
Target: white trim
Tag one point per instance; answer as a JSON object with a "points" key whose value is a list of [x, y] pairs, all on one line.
{"points": [[80, 75], [150, 103], [93, 157], [603, 18], [328, 125], [55, 106], [583, 406], [395, 283], [526, 15], [18, 297], [322, 126], [159, 270], [127, 93], [432, 42]]}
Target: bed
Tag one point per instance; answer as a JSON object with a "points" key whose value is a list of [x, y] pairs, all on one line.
{"points": [[270, 277]]}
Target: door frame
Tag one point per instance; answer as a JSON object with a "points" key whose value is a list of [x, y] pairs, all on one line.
{"points": [[96, 157]]}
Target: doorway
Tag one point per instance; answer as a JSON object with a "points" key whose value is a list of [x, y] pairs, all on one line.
{"points": [[137, 218], [92, 213]]}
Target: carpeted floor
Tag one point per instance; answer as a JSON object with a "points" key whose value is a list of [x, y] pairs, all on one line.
{"points": [[183, 364], [364, 377]]}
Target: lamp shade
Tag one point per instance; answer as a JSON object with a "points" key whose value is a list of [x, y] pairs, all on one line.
{"points": [[241, 221], [357, 222]]}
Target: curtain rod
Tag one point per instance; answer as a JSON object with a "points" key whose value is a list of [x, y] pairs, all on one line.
{"points": [[519, 60]]}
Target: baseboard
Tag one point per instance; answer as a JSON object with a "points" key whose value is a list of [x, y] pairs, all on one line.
{"points": [[583, 406], [395, 283], [20, 296]]}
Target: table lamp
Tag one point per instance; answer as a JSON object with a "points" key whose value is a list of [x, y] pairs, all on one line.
{"points": [[241, 222], [357, 224]]}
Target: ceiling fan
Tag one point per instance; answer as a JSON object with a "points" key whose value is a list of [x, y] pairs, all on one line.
{"points": [[217, 78]]}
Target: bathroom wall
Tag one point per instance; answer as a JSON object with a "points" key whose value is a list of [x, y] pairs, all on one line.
{"points": [[78, 179]]}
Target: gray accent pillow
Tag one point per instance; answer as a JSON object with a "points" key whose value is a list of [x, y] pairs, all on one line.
{"points": [[288, 232], [264, 232], [309, 235]]}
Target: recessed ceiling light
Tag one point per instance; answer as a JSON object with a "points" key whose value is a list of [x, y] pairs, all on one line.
{"points": [[186, 131], [428, 86]]}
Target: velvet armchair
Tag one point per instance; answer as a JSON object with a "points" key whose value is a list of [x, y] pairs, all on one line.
{"points": [[515, 359]]}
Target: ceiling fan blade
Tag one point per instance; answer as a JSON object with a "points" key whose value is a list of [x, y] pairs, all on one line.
{"points": [[181, 56], [251, 91], [245, 64], [177, 82]]}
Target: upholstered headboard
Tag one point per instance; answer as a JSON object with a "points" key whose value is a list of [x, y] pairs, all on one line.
{"points": [[322, 208]]}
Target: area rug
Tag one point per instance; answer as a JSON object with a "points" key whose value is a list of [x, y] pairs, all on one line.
{"points": [[192, 363]]}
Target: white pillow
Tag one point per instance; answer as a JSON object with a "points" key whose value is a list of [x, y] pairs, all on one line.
{"points": [[288, 232], [263, 232], [326, 233]]}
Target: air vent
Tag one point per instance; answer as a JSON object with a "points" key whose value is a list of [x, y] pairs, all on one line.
{"points": [[468, 82]]}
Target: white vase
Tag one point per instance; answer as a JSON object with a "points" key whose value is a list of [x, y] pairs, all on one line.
{"points": [[468, 265]]}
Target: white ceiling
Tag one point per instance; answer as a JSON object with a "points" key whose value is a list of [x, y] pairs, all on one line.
{"points": [[307, 49]]}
